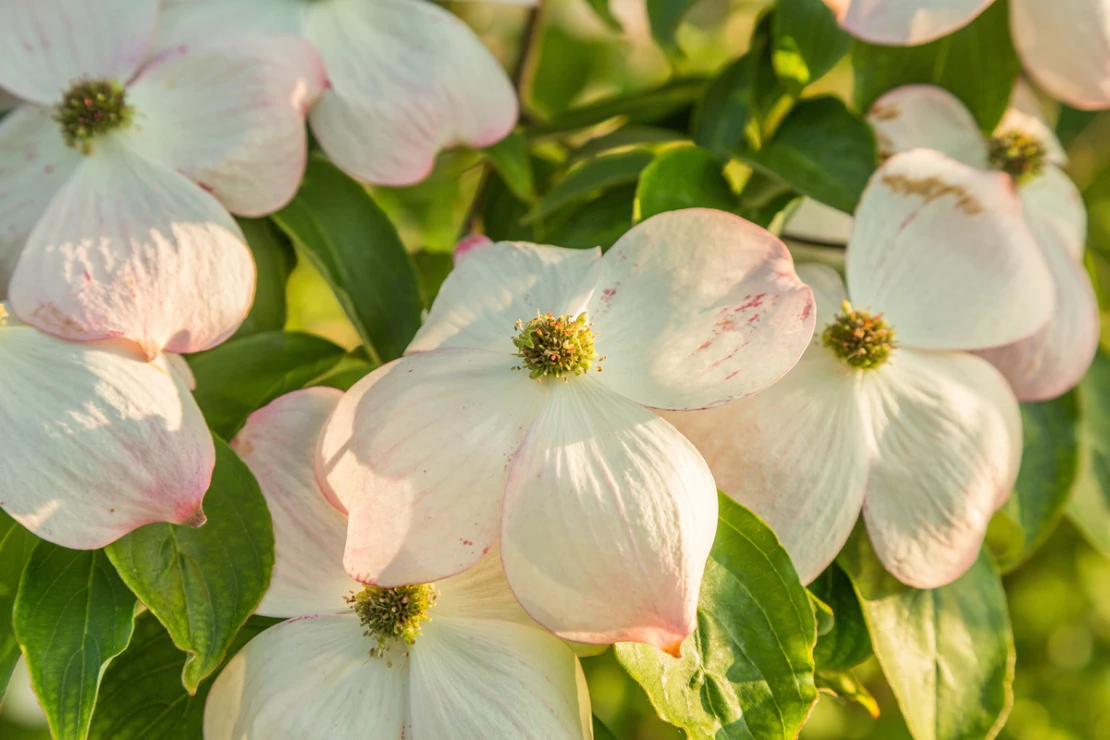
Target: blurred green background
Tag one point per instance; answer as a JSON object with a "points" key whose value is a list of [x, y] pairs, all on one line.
{"points": [[1059, 600]]}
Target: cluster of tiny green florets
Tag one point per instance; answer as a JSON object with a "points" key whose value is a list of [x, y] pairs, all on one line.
{"points": [[1018, 154], [556, 346], [860, 339], [91, 108], [393, 613]]}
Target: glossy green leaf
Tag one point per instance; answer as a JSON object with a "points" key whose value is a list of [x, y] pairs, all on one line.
{"points": [[821, 150], [1049, 464], [16, 544], [747, 670], [141, 696], [977, 63], [844, 685], [601, 732], [596, 223], [242, 375], [202, 583], [432, 268], [344, 378], [948, 653], [511, 160], [274, 259], [73, 614], [808, 41], [349, 239], [1089, 507], [683, 177], [847, 644], [601, 7], [643, 107], [590, 178]]}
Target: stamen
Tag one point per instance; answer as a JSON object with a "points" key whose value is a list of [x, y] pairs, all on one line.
{"points": [[390, 614], [1018, 154], [556, 346], [863, 341], [91, 108]]}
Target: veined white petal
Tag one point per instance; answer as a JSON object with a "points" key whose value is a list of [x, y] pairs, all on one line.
{"points": [[796, 454], [1065, 47], [183, 22], [927, 117], [948, 434], [98, 442], [45, 45], [310, 678], [905, 22], [696, 308], [494, 285], [418, 452], [278, 444], [407, 79], [130, 249], [608, 518], [943, 250], [34, 165], [229, 115]]}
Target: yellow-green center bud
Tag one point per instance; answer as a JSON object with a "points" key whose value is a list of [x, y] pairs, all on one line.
{"points": [[91, 108], [1017, 154], [860, 339], [393, 613], [556, 346]]}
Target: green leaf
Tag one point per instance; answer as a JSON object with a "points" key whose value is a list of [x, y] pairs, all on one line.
{"points": [[72, 616], [595, 223], [642, 107], [1049, 464], [821, 150], [808, 41], [948, 653], [747, 671], [976, 63], [684, 177], [16, 544], [592, 177], [349, 239], [1089, 507], [141, 696], [664, 17], [847, 644], [432, 268], [242, 375], [746, 102], [845, 686], [511, 160], [601, 732], [274, 259], [202, 583], [345, 378], [601, 7]]}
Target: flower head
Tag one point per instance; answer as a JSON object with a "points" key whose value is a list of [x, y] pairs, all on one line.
{"points": [[689, 309], [459, 658], [121, 167], [860, 339]]}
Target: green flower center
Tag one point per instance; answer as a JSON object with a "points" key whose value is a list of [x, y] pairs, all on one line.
{"points": [[860, 339], [556, 346], [1018, 154], [393, 613], [91, 108]]}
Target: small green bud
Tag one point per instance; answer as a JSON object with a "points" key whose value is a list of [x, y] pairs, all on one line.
{"points": [[91, 108]]}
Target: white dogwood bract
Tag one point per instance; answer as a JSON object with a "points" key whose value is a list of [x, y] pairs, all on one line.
{"points": [[1054, 359], [478, 667], [1064, 44], [114, 211], [604, 512], [406, 78], [925, 440], [98, 441]]}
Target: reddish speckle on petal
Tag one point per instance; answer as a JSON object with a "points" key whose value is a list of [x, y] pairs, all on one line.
{"points": [[807, 311]]}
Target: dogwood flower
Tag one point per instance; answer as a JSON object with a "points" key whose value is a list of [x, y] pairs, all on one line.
{"points": [[1055, 358], [116, 175], [887, 411], [1064, 45], [97, 441], [406, 78], [457, 659], [500, 424]]}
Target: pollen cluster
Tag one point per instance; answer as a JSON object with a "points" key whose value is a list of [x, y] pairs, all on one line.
{"points": [[393, 613], [1017, 154], [860, 339], [89, 109], [555, 346]]}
